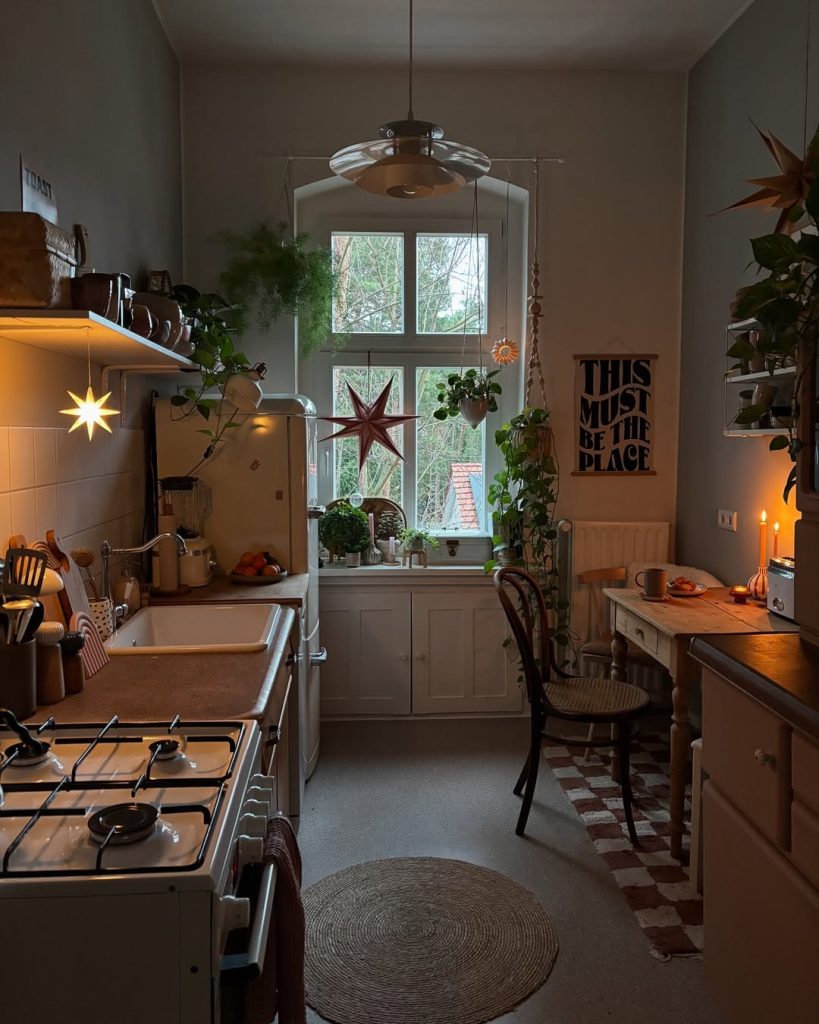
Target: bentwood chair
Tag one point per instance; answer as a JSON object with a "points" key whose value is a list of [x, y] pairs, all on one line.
{"points": [[553, 693]]}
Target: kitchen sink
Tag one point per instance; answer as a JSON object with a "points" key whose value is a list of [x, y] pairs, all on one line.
{"points": [[197, 629]]}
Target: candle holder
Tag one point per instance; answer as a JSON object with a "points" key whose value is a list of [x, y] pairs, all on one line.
{"points": [[758, 584]]}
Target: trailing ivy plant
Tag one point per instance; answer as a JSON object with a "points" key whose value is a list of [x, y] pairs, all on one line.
{"points": [[275, 273], [785, 303], [524, 494], [214, 323]]}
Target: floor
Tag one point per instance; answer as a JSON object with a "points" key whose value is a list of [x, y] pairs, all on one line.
{"points": [[444, 788]]}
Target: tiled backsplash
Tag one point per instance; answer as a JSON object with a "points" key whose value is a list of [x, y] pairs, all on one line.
{"points": [[87, 490]]}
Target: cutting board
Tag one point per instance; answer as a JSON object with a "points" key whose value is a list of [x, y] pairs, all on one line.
{"points": [[74, 598], [52, 608], [94, 655]]}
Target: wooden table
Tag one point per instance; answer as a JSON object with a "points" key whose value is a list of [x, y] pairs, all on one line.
{"points": [[664, 630]]}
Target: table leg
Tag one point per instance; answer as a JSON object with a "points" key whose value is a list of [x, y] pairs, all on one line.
{"points": [[680, 746], [619, 653]]}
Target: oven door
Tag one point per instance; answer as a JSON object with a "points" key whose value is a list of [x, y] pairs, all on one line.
{"points": [[247, 978]]}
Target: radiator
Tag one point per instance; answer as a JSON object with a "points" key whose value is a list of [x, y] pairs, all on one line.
{"points": [[585, 545]]}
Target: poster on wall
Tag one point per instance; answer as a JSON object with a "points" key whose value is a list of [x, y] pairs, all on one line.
{"points": [[614, 415], [37, 194]]}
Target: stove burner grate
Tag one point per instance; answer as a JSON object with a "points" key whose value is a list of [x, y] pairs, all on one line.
{"points": [[24, 755], [165, 750], [123, 823]]}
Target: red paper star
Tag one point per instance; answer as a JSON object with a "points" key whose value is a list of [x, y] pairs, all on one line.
{"points": [[370, 423]]}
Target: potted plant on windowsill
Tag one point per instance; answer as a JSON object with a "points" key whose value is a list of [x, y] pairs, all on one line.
{"points": [[472, 395], [345, 531], [417, 540], [390, 525]]}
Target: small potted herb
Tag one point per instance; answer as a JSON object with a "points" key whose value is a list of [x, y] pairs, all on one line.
{"points": [[471, 395], [415, 540], [345, 530]]}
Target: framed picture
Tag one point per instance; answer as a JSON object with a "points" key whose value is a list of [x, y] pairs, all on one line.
{"points": [[614, 415]]}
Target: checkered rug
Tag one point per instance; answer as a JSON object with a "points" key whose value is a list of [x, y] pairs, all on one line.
{"points": [[656, 886]]}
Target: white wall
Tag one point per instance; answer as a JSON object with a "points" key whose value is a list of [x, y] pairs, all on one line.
{"points": [[611, 215]]}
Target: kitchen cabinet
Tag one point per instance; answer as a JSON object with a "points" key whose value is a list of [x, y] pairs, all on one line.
{"points": [[459, 663], [367, 635], [422, 648]]}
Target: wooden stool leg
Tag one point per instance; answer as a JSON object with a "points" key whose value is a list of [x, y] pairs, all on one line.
{"points": [[587, 753]]}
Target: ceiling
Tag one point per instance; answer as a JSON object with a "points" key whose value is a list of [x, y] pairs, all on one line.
{"points": [[606, 34]]}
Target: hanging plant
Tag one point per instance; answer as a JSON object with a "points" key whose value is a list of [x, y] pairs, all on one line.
{"points": [[274, 273], [472, 395], [785, 303]]}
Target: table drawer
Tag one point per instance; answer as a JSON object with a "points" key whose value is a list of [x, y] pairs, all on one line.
{"points": [[637, 630], [805, 771], [805, 842], [746, 752]]}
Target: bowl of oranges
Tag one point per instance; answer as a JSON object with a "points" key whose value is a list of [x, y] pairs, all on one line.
{"points": [[259, 568]]}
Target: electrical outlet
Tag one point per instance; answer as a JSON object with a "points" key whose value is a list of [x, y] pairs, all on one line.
{"points": [[727, 520]]}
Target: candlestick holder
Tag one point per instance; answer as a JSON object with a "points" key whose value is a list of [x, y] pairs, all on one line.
{"points": [[758, 584]]}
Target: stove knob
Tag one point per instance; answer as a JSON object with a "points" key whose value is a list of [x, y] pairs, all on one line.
{"points": [[257, 807], [249, 850], [253, 825], [235, 913], [263, 796]]}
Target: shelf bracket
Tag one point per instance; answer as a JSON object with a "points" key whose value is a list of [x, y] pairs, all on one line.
{"points": [[137, 369]]}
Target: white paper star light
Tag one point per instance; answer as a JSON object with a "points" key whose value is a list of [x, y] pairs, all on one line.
{"points": [[90, 412]]}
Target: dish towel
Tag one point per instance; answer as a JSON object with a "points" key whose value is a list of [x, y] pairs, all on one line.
{"points": [[285, 945]]}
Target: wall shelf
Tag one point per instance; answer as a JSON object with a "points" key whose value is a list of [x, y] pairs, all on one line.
{"points": [[750, 432], [760, 375], [70, 332]]}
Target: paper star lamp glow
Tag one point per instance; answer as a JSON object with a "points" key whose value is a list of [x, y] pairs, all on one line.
{"points": [[370, 423], [90, 412], [505, 351]]}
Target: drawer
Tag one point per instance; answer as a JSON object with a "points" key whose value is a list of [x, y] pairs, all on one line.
{"points": [[805, 841], [761, 923], [639, 632], [805, 771], [746, 751]]}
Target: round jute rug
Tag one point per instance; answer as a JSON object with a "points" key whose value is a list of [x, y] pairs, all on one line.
{"points": [[421, 940]]}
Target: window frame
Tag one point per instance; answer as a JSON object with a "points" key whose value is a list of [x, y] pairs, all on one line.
{"points": [[411, 350]]}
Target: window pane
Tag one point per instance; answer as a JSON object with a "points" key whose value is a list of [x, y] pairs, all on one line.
{"points": [[369, 294], [451, 283], [450, 462], [381, 476]]}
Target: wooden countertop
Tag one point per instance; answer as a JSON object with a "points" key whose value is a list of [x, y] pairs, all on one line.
{"points": [[154, 688], [291, 590], [779, 670]]}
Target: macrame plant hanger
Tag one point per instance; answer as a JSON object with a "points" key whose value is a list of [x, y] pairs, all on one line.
{"points": [[535, 369]]}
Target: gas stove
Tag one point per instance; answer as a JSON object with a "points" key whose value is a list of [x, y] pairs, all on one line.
{"points": [[141, 845]]}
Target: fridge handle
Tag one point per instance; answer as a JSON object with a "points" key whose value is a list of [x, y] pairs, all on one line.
{"points": [[315, 511]]}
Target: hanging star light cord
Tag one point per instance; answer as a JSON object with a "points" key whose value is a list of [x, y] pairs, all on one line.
{"points": [[89, 412]]}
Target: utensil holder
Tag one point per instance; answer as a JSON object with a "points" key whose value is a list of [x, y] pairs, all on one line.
{"points": [[50, 681], [18, 678], [102, 612]]}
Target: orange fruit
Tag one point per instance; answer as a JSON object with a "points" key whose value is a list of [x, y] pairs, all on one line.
{"points": [[259, 562], [246, 558], [270, 570]]}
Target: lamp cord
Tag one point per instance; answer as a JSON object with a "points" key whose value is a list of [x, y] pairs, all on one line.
{"points": [[411, 114]]}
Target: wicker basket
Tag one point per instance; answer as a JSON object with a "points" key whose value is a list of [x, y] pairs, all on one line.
{"points": [[37, 260]]}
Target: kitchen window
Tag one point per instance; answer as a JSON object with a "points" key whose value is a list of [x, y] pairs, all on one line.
{"points": [[413, 300]]}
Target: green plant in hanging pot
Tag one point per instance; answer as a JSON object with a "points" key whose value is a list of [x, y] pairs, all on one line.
{"points": [[471, 394], [273, 272], [784, 303]]}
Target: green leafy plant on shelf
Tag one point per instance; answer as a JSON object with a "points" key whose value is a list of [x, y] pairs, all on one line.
{"points": [[214, 325], [785, 302], [523, 496], [414, 540], [344, 529], [471, 386], [273, 272]]}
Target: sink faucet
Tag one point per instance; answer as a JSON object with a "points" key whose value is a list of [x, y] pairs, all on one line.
{"points": [[106, 551]]}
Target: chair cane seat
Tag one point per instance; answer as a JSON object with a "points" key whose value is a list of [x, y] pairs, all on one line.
{"points": [[601, 650], [586, 696]]}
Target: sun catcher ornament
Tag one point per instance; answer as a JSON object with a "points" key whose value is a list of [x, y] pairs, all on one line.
{"points": [[505, 351], [369, 424]]}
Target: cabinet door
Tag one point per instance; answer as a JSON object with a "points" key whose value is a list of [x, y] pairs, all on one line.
{"points": [[367, 636], [459, 662]]}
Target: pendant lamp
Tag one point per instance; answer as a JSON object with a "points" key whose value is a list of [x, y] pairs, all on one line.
{"points": [[410, 159]]}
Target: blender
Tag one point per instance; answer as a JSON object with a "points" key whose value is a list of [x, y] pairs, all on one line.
{"points": [[188, 499]]}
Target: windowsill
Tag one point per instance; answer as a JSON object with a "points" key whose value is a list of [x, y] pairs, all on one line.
{"points": [[417, 573]]}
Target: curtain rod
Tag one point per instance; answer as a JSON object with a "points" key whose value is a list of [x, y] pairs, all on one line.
{"points": [[494, 160]]}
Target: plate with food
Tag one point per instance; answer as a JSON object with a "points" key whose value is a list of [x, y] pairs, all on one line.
{"points": [[259, 569], [684, 587]]}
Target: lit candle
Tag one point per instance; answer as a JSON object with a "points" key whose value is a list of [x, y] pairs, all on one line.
{"points": [[763, 539], [371, 519], [776, 540]]}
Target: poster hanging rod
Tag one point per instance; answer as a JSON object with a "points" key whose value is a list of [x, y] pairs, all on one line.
{"points": [[494, 160]]}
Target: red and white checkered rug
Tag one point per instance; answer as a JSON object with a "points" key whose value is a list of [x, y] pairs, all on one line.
{"points": [[656, 886]]}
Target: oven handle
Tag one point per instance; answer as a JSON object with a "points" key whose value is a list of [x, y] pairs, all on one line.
{"points": [[251, 964]]}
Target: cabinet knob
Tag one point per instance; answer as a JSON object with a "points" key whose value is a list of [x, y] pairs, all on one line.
{"points": [[639, 632], [421, 656], [763, 758], [403, 657]]}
